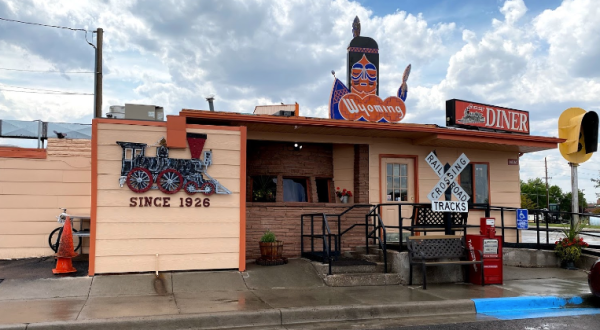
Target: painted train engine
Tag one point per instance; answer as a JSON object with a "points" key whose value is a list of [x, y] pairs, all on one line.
{"points": [[169, 175]]}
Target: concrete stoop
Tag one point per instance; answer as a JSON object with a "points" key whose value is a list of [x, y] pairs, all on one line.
{"points": [[362, 279], [359, 275]]}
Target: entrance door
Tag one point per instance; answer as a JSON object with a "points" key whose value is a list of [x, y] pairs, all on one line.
{"points": [[397, 187]]}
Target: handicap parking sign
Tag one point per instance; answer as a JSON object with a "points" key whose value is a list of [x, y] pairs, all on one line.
{"points": [[522, 219]]}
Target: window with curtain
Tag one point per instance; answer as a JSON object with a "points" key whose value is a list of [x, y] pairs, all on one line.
{"points": [[295, 189], [474, 179]]}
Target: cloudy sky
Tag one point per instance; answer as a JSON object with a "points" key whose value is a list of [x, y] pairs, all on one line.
{"points": [[538, 56]]}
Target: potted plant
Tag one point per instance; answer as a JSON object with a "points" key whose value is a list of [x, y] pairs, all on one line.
{"points": [[568, 249], [270, 247], [343, 194]]}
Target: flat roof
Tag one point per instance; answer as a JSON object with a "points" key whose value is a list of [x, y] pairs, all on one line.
{"points": [[420, 134]]}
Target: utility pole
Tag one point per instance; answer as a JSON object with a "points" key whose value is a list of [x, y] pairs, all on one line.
{"points": [[574, 194], [547, 191], [98, 75]]}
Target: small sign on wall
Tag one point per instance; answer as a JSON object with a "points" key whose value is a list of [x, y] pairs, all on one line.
{"points": [[513, 162], [522, 219]]}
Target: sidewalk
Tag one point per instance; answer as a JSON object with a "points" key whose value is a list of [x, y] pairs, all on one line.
{"points": [[261, 296]]}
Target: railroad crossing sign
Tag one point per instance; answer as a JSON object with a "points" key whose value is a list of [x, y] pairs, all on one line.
{"points": [[447, 181]]}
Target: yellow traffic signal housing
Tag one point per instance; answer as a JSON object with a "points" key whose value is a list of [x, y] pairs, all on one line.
{"points": [[580, 129]]}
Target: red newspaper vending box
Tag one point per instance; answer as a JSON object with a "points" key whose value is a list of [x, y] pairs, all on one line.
{"points": [[491, 246]]}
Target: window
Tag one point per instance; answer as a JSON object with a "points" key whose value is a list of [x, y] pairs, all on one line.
{"points": [[264, 188], [323, 190], [295, 190], [474, 179], [397, 182]]}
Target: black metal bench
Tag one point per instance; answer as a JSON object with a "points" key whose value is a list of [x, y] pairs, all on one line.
{"points": [[428, 250], [424, 219]]}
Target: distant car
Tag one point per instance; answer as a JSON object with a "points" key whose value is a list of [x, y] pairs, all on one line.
{"points": [[594, 278]]}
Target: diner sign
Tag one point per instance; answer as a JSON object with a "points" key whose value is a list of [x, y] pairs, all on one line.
{"points": [[467, 114]]}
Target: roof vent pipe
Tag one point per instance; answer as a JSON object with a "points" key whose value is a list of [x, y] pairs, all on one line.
{"points": [[210, 100]]}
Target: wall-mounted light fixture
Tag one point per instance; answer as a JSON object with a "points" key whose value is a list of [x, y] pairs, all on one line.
{"points": [[297, 147]]}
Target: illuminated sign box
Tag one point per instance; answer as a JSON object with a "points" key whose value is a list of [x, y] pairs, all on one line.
{"points": [[473, 115]]}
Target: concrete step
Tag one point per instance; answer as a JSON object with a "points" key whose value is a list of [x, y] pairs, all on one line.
{"points": [[373, 249], [323, 269], [371, 257], [353, 279]]}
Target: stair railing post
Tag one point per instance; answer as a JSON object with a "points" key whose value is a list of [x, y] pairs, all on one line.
{"points": [[301, 235]]}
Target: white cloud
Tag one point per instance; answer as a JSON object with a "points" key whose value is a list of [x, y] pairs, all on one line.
{"points": [[174, 53]]}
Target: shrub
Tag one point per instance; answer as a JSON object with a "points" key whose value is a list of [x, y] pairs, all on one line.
{"points": [[268, 237]]}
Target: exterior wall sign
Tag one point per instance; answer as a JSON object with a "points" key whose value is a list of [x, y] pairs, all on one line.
{"points": [[476, 115], [449, 206], [522, 219], [447, 179], [513, 162], [168, 175], [360, 100]]}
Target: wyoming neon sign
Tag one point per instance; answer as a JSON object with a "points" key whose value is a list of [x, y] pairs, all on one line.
{"points": [[360, 101]]}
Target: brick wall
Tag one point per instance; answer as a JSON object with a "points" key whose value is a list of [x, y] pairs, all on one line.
{"points": [[69, 147], [361, 173], [279, 159], [273, 158], [283, 219]]}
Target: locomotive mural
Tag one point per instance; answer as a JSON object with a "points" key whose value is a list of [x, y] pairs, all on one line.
{"points": [[169, 175]]}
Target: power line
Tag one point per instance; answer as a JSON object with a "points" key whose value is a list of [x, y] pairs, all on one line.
{"points": [[36, 89], [52, 26], [49, 93], [46, 71]]}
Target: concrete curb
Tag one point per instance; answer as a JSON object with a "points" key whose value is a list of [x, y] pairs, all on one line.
{"points": [[360, 312], [20, 326], [264, 318]]}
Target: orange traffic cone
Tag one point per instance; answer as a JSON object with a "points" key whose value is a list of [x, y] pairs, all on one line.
{"points": [[65, 251]]}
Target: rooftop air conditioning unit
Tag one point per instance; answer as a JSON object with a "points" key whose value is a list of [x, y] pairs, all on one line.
{"points": [[284, 113]]}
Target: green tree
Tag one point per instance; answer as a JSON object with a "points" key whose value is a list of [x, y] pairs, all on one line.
{"points": [[535, 190], [566, 204], [526, 202], [596, 182]]}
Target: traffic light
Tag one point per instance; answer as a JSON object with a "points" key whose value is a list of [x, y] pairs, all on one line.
{"points": [[580, 129]]}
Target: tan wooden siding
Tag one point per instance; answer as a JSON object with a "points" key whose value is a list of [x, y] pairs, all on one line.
{"points": [[343, 168], [128, 238], [33, 190], [504, 178]]}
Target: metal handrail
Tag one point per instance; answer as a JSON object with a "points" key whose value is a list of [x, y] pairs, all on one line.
{"points": [[375, 228]]}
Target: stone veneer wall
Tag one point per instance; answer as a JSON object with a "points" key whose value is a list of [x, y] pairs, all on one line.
{"points": [[284, 220]]}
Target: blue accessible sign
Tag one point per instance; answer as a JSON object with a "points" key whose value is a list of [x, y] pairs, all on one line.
{"points": [[522, 219]]}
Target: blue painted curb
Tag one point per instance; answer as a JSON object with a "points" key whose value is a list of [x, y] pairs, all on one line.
{"points": [[496, 305]]}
